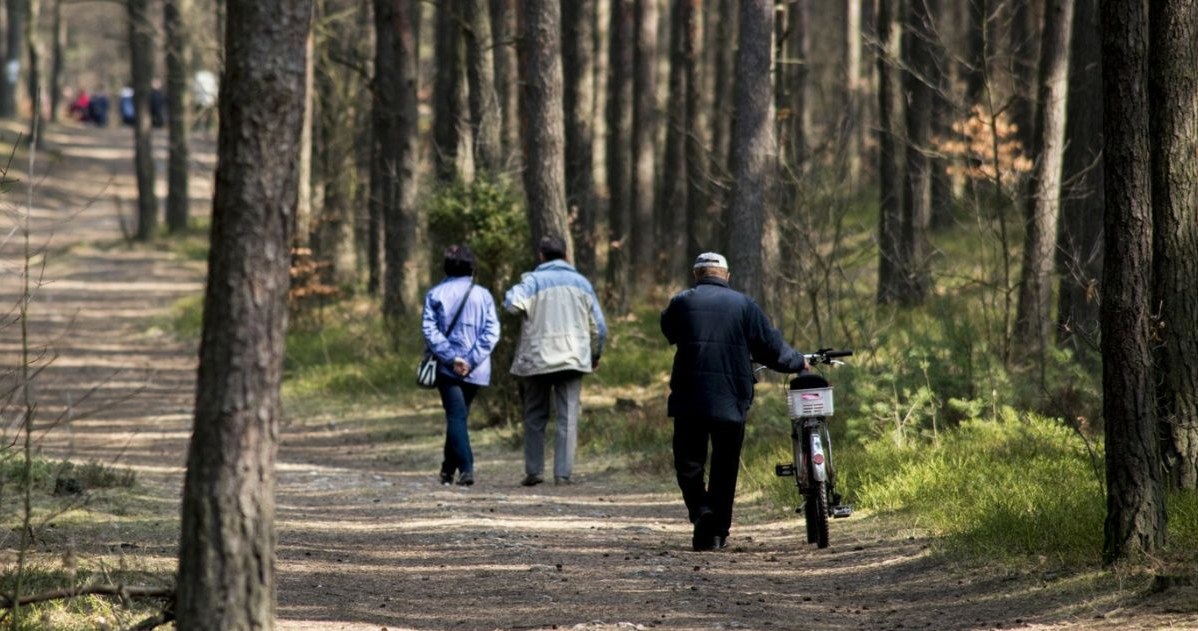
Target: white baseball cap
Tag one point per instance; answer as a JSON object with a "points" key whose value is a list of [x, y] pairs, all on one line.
{"points": [[710, 259]]}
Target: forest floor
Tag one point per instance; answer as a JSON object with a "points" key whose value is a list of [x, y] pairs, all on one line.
{"points": [[367, 538]]}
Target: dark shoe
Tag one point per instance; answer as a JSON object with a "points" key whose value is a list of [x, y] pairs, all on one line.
{"points": [[446, 478], [703, 539], [721, 543], [531, 480], [562, 480], [466, 479]]}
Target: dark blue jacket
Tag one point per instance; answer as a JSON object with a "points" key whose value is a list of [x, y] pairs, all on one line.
{"points": [[719, 332]]}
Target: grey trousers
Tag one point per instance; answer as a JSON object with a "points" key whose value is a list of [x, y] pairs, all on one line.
{"points": [[563, 390]]}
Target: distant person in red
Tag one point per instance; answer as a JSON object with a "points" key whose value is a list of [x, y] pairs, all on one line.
{"points": [[79, 107]]}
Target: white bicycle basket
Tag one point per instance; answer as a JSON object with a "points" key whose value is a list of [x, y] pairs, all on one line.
{"points": [[810, 402]]}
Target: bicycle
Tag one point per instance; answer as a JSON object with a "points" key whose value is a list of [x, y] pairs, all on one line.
{"points": [[809, 402]]}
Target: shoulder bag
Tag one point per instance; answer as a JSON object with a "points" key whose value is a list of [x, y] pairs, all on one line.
{"points": [[426, 372]]}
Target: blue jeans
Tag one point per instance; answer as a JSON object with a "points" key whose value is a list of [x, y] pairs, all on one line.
{"points": [[456, 397]]}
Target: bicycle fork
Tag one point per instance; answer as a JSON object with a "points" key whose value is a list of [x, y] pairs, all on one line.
{"points": [[809, 437]]}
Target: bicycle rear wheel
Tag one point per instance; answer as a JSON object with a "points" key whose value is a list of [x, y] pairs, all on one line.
{"points": [[815, 504]]}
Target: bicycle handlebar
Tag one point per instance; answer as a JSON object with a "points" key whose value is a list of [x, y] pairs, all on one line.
{"points": [[826, 355]]}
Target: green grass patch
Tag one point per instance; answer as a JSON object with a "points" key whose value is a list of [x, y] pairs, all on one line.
{"points": [[53, 475]]}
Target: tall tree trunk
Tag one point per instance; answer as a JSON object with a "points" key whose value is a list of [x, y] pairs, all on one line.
{"points": [[1033, 320], [1079, 249], [503, 18], [644, 146], [449, 97], [485, 116], [619, 164], [141, 53], [34, 79], [17, 11], [944, 114], [304, 203], [1173, 89], [853, 92], [226, 552], [890, 113], [672, 201], [178, 62], [975, 52], [336, 113], [755, 147], [1024, 60], [1135, 519], [541, 114], [59, 30], [918, 33], [578, 60], [724, 110], [396, 115], [694, 132]]}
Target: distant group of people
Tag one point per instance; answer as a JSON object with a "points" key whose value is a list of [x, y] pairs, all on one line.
{"points": [[717, 332], [94, 108]]}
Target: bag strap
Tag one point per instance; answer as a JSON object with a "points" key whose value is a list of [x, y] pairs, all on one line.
{"points": [[461, 306]]}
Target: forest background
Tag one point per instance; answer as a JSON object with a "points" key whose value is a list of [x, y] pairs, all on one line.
{"points": [[935, 184]]}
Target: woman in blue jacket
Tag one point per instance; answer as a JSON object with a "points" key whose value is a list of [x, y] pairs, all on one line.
{"points": [[463, 350]]}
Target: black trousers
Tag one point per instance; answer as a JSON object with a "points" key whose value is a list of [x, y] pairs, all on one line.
{"points": [[691, 438]]}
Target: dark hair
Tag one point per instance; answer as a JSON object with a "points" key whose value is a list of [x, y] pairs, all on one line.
{"points": [[459, 261], [552, 247]]}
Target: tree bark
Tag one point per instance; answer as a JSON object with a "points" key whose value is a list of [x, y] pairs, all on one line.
{"points": [[755, 150], [673, 206], [975, 52], [890, 112], [541, 113], [578, 61], [724, 110], [485, 116], [644, 146], [853, 93], [395, 122], [619, 164], [1079, 248], [918, 33], [1135, 520], [696, 151], [59, 30], [1173, 90], [301, 238], [336, 123], [1033, 320], [17, 16], [141, 50], [178, 61], [33, 82], [1024, 60], [226, 552], [503, 16], [449, 98]]}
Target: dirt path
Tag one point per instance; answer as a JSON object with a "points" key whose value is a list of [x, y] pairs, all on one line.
{"points": [[368, 540]]}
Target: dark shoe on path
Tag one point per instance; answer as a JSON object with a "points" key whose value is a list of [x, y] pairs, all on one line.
{"points": [[562, 480], [466, 478], [531, 480], [703, 539], [446, 478]]}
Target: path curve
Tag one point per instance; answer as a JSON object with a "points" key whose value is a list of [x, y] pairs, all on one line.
{"points": [[367, 538]]}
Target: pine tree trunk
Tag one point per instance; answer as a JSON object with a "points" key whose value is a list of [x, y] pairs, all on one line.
{"points": [[975, 52], [578, 60], [395, 122], [141, 51], [724, 112], [485, 116], [301, 239], [1135, 519], [755, 151], [59, 30], [1024, 61], [1173, 89], [695, 133], [1033, 320], [918, 33], [12, 64], [503, 16], [890, 112], [853, 92], [541, 112], [644, 147], [1079, 249], [33, 82], [226, 550], [449, 95], [178, 61], [672, 202], [619, 164]]}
